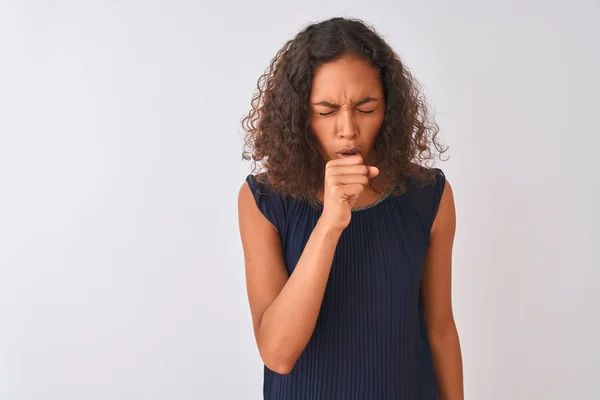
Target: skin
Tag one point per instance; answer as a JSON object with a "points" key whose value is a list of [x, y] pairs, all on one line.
{"points": [[347, 108], [436, 289], [285, 309]]}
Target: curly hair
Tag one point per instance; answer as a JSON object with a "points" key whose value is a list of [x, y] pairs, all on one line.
{"points": [[277, 129]]}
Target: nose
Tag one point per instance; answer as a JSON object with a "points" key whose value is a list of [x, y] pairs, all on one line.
{"points": [[347, 127]]}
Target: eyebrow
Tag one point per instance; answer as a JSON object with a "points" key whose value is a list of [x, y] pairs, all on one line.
{"points": [[334, 105]]}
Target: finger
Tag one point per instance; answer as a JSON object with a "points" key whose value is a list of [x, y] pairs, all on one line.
{"points": [[360, 169], [372, 172], [348, 179], [350, 160]]}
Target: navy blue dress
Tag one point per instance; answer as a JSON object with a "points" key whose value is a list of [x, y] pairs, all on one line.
{"points": [[370, 340]]}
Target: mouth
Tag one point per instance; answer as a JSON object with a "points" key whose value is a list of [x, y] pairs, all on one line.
{"points": [[347, 152]]}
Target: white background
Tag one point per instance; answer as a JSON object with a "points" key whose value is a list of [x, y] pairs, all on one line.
{"points": [[121, 269]]}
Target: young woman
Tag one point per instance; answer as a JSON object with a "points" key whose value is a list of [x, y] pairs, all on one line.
{"points": [[347, 237]]}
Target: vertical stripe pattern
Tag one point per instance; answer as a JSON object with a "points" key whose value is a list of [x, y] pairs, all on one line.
{"points": [[370, 340]]}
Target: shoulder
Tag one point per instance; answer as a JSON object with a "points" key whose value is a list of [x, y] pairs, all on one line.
{"points": [[422, 175], [425, 190], [256, 182], [425, 182], [257, 186], [256, 194], [445, 214], [254, 190]]}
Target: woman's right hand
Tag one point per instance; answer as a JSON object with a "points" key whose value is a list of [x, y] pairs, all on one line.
{"points": [[345, 179]]}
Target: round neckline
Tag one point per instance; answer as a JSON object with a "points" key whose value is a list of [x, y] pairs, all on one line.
{"points": [[375, 203]]}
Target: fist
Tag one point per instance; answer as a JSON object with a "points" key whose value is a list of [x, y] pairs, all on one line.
{"points": [[345, 180]]}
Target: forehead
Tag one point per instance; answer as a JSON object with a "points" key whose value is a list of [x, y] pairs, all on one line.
{"points": [[348, 76]]}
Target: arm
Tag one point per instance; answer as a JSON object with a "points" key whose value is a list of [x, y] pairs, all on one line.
{"points": [[437, 299], [284, 310]]}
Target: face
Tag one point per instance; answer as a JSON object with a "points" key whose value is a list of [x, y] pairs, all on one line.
{"points": [[346, 107]]}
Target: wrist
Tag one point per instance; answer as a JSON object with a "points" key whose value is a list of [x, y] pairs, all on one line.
{"points": [[328, 228]]}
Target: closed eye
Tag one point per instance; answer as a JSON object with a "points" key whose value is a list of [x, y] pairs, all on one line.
{"points": [[362, 111]]}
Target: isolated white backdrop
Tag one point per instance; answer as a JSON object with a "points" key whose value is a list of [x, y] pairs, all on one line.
{"points": [[121, 269]]}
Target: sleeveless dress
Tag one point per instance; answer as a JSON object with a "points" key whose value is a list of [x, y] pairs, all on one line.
{"points": [[370, 339]]}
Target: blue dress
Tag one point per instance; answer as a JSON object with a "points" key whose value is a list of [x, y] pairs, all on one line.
{"points": [[370, 339]]}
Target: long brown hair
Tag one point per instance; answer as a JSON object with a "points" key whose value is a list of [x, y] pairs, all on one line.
{"points": [[278, 137]]}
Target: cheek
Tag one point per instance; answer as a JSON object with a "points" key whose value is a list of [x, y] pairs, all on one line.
{"points": [[317, 123], [320, 129], [370, 126]]}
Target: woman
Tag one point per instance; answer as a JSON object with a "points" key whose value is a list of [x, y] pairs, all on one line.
{"points": [[347, 239]]}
